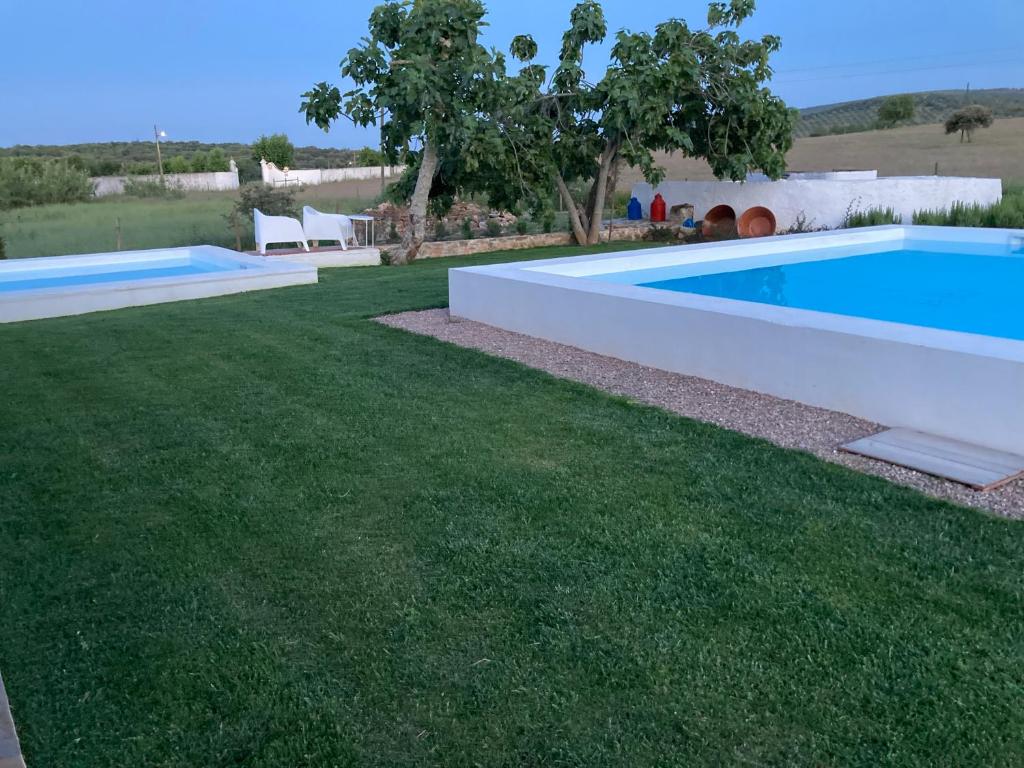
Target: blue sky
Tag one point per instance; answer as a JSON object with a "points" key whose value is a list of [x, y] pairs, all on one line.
{"points": [[228, 71]]}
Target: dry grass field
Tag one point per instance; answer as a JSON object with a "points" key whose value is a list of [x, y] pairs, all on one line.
{"points": [[912, 151]]}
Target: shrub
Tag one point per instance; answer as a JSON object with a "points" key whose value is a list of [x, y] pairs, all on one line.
{"points": [[1007, 214], [3, 249], [467, 229], [151, 188], [493, 228], [32, 181], [368, 156], [869, 217], [802, 224], [548, 222], [177, 164], [522, 227], [276, 149], [440, 231], [270, 200]]}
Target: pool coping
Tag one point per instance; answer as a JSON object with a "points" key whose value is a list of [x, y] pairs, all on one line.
{"points": [[902, 385]]}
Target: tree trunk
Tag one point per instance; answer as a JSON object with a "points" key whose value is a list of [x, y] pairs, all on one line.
{"points": [[416, 221], [600, 192], [578, 229]]}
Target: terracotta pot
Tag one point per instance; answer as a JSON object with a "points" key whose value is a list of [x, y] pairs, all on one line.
{"points": [[719, 222], [756, 222]]}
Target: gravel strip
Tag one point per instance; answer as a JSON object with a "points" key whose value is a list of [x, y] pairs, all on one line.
{"points": [[783, 422]]}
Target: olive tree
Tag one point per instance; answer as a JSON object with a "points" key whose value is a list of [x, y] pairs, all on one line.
{"points": [[423, 67], [967, 120], [895, 110], [700, 92]]}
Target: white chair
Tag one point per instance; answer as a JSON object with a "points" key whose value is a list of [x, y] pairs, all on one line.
{"points": [[277, 229], [327, 226]]}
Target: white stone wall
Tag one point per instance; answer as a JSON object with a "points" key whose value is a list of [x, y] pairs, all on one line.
{"points": [[207, 182], [824, 202], [279, 178]]}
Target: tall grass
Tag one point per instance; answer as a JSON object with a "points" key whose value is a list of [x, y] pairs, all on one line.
{"points": [[87, 227], [869, 217], [1006, 214]]}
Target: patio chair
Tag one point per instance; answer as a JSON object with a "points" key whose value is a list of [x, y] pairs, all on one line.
{"points": [[327, 226], [277, 229]]}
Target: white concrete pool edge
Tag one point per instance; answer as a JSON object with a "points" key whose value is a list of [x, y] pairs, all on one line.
{"points": [[64, 301], [963, 386]]}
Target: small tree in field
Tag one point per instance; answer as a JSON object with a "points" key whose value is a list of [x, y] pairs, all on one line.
{"points": [[276, 149], [423, 66], [967, 120], [895, 110], [696, 91]]}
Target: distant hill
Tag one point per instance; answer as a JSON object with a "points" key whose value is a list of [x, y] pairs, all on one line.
{"points": [[136, 156], [931, 107]]}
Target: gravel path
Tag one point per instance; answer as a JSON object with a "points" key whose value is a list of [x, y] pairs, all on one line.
{"points": [[783, 422]]}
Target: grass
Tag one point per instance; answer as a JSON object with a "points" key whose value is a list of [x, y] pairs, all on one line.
{"points": [[198, 217], [997, 152], [263, 530]]}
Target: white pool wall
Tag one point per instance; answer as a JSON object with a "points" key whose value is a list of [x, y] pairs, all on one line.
{"points": [[963, 386], [62, 301]]}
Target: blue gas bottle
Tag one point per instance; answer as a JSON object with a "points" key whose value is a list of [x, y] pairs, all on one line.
{"points": [[634, 211]]}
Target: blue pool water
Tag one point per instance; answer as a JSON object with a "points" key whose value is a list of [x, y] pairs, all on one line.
{"points": [[978, 292], [107, 273]]}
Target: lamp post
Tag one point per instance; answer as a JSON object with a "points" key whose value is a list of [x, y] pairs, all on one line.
{"points": [[158, 134]]}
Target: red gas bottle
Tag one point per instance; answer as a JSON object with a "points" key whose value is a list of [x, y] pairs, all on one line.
{"points": [[658, 208]]}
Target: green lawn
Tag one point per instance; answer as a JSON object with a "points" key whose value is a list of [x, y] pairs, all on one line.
{"points": [[263, 530], [90, 227]]}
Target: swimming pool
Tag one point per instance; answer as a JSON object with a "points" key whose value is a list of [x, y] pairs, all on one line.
{"points": [[918, 327], [69, 285], [972, 288]]}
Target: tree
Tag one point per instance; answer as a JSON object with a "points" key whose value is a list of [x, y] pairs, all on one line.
{"points": [[276, 149], [368, 156], [423, 66], [967, 120], [700, 92], [895, 110]]}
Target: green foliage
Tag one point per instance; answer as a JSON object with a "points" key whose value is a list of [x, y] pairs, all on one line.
{"points": [[368, 156], [440, 231], [273, 201], [467, 229], [29, 181], [1006, 214], [869, 217], [521, 226], [969, 119], [493, 228], [698, 91], [895, 110], [3, 249], [177, 164], [276, 149], [142, 188]]}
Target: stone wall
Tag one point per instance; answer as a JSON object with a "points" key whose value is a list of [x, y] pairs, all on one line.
{"points": [[437, 249]]}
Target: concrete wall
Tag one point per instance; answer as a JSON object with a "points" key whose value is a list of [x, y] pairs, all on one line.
{"points": [[207, 182], [824, 202], [280, 178]]}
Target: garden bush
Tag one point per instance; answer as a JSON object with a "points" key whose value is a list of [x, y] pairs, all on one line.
{"points": [[467, 229], [273, 201], [493, 228], [142, 187], [1007, 214], [522, 227], [32, 181], [870, 217]]}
